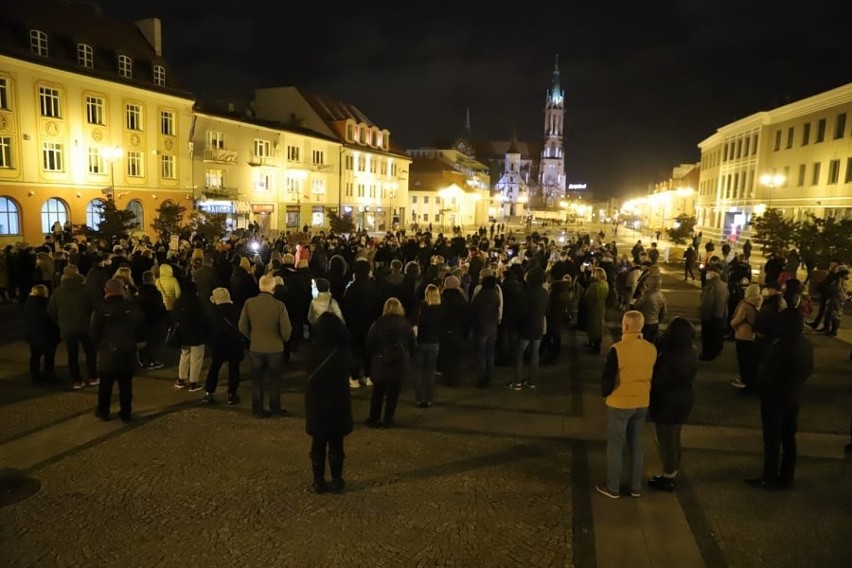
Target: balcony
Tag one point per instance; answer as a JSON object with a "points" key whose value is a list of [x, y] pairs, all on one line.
{"points": [[255, 161], [221, 192], [220, 156]]}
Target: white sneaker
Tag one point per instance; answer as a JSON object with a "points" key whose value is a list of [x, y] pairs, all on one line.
{"points": [[368, 382], [354, 384]]}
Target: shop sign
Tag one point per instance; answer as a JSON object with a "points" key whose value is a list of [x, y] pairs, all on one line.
{"points": [[262, 208], [212, 206]]}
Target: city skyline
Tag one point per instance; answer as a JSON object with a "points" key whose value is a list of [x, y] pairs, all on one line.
{"points": [[643, 85]]}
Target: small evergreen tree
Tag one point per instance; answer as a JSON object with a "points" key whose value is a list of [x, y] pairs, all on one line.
{"points": [[821, 239], [209, 226], [115, 223], [169, 220], [340, 225], [774, 231], [681, 233]]}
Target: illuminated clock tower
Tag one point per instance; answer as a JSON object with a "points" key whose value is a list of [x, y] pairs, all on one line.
{"points": [[552, 172]]}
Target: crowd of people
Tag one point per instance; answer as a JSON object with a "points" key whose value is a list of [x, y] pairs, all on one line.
{"points": [[370, 312]]}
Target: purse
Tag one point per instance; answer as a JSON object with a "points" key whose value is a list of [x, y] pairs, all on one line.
{"points": [[173, 335], [321, 365]]}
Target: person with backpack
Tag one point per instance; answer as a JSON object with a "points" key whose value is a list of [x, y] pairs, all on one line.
{"points": [[116, 327], [387, 351]]}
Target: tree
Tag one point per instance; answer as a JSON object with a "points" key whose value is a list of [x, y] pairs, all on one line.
{"points": [[683, 229], [821, 239], [774, 231], [340, 225], [209, 226], [115, 223], [169, 220]]}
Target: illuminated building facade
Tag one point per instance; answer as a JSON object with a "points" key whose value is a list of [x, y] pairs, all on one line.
{"points": [[796, 158], [512, 189], [552, 169], [89, 110]]}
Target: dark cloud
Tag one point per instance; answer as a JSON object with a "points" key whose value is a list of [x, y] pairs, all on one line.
{"points": [[644, 81]]}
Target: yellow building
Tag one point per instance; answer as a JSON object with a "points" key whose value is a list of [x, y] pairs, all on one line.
{"points": [[373, 171], [796, 158], [448, 188], [89, 110], [279, 176]]}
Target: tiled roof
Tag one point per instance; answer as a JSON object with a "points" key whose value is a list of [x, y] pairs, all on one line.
{"points": [[333, 110], [498, 148], [67, 24], [273, 124]]}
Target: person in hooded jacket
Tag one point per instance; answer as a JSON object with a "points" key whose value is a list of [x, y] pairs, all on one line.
{"points": [[455, 322], [150, 302], [243, 284], [652, 304], [169, 287], [786, 365], [226, 345], [193, 332], [387, 352], [360, 309], [557, 310], [530, 327], [329, 363], [41, 334], [485, 311], [672, 396], [70, 306]]}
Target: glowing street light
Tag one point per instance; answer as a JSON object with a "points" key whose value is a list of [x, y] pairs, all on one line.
{"points": [[112, 155], [772, 181]]}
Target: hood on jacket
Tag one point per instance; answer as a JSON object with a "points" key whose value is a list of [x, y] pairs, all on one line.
{"points": [[166, 271], [653, 283]]}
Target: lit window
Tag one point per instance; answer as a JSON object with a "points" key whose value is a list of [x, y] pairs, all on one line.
{"points": [[94, 213], [4, 93], [214, 179], [5, 152], [167, 167], [135, 207], [38, 42], [134, 164], [317, 187], [318, 157], [133, 117], [160, 75], [125, 66], [85, 55], [292, 185], [10, 220], [262, 182], [215, 140], [262, 148], [49, 102], [94, 110], [97, 164], [293, 154], [54, 210], [167, 123], [51, 157]]}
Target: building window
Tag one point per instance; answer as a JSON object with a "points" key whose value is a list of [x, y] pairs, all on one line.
{"points": [[134, 164], [10, 220], [745, 149], [425, 200], [262, 148], [802, 168], [815, 175], [214, 179], [38, 42], [350, 133], [215, 140], [160, 75], [49, 102], [820, 135], [848, 170], [754, 145], [94, 213], [362, 135], [384, 168], [373, 166], [777, 140], [786, 177], [413, 199], [360, 190], [167, 123], [85, 55], [833, 171], [806, 134], [317, 188], [125, 66], [293, 154], [53, 210], [51, 157], [393, 170], [349, 163], [318, 157], [138, 211], [133, 117], [4, 93], [5, 151], [292, 185], [840, 126], [362, 164], [348, 189], [262, 182], [167, 166], [790, 133], [94, 110], [97, 164]]}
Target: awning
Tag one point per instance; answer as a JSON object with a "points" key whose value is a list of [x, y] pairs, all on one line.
{"points": [[243, 207]]}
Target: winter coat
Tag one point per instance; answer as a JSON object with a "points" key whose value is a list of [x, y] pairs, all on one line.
{"points": [[194, 327], [168, 286], [206, 281], [485, 311], [787, 363], [428, 322], [652, 303], [328, 404], [714, 299], [560, 299], [745, 318], [595, 299], [71, 307], [533, 309], [116, 328], [360, 307], [324, 302], [455, 315], [672, 395], [243, 287], [40, 331], [226, 341], [265, 321], [150, 301], [386, 331]]}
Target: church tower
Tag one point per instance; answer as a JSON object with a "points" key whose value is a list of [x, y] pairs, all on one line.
{"points": [[552, 171]]}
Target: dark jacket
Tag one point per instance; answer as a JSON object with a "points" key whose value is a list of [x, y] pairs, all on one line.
{"points": [[226, 341], [206, 280], [360, 307], [533, 307], [194, 325], [428, 322], [116, 327], [485, 309], [150, 302], [328, 404], [40, 331], [71, 307], [672, 395], [388, 330], [455, 315], [787, 363]]}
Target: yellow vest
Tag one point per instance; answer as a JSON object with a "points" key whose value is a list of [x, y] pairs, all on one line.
{"points": [[636, 358]]}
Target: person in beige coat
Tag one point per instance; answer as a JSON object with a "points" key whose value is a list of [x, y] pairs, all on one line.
{"points": [[742, 323]]}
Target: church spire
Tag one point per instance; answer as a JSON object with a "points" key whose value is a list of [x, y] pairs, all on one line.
{"points": [[513, 145], [467, 120], [555, 97]]}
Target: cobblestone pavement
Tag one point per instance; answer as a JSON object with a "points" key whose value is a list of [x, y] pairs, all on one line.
{"points": [[483, 478]]}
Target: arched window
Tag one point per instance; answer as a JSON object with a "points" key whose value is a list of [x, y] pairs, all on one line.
{"points": [[135, 207], [10, 220], [94, 213], [52, 211]]}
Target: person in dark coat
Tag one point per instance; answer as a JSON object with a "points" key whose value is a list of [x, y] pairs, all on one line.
{"points": [[226, 345], [387, 351], [530, 326], [787, 364], [41, 334], [116, 329], [150, 302], [455, 324], [243, 284], [427, 329], [672, 395], [328, 405], [70, 306], [193, 332], [485, 311], [360, 309], [560, 297], [507, 332]]}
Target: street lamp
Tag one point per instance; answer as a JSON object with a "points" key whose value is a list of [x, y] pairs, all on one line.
{"points": [[112, 155], [772, 181]]}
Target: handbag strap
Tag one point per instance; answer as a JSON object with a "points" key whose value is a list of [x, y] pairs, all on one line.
{"points": [[321, 365]]}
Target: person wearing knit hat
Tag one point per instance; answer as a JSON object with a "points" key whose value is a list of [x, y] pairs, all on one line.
{"points": [[226, 346]]}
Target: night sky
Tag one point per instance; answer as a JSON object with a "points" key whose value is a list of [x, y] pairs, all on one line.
{"points": [[644, 82]]}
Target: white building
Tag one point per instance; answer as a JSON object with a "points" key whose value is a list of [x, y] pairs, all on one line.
{"points": [[512, 189], [552, 171]]}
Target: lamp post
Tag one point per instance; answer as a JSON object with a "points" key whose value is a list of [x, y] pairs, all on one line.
{"points": [[771, 181], [112, 155]]}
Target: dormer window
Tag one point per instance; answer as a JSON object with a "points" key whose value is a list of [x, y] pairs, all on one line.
{"points": [[160, 75], [38, 42], [85, 55], [385, 139], [362, 135], [350, 132], [125, 66]]}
